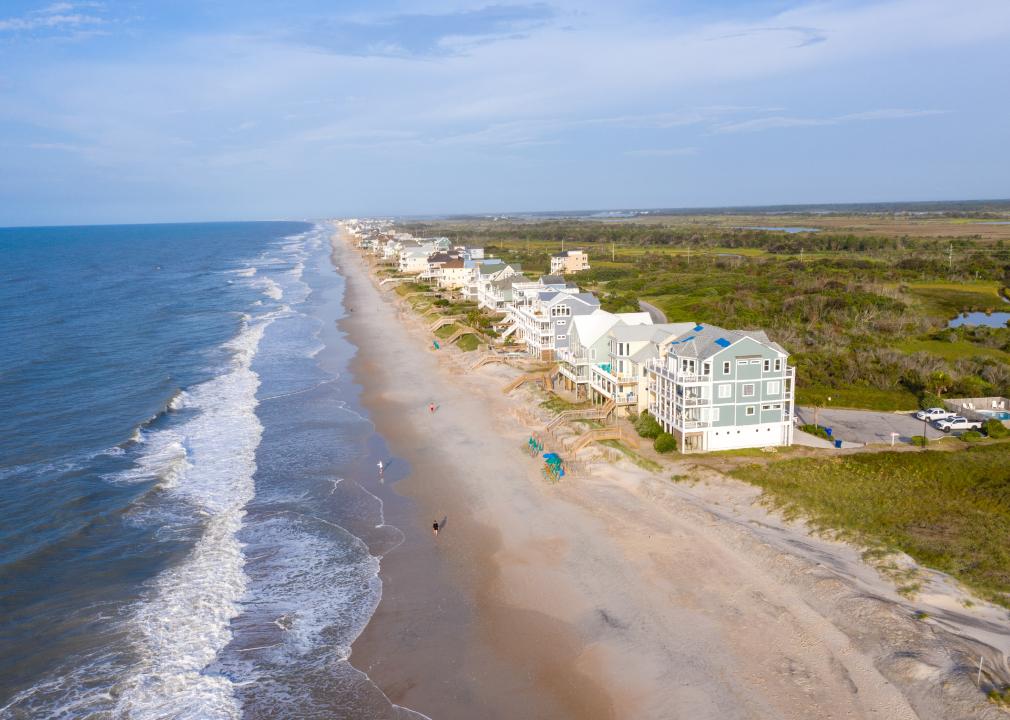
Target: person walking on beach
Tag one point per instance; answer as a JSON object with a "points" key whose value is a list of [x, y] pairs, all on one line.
{"points": [[431, 408], [379, 464], [434, 528]]}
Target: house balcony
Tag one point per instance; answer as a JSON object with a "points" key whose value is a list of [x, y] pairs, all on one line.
{"points": [[693, 401]]}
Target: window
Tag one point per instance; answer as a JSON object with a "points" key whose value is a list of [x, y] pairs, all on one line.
{"points": [[725, 391], [772, 387], [756, 362], [768, 365], [725, 368], [714, 414], [562, 337], [765, 407], [748, 390], [778, 364], [750, 410], [741, 363], [560, 322], [706, 369]]}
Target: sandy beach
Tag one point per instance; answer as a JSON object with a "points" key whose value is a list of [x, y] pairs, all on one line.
{"points": [[620, 594]]}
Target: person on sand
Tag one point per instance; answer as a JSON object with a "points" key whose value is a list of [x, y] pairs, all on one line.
{"points": [[434, 528], [379, 464], [431, 408]]}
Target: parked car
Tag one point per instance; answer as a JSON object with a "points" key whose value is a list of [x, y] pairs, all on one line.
{"points": [[932, 414], [957, 422]]}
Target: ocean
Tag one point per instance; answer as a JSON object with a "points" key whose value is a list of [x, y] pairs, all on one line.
{"points": [[187, 526]]}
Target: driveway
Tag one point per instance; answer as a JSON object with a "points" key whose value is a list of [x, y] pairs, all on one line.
{"points": [[657, 315], [867, 426]]}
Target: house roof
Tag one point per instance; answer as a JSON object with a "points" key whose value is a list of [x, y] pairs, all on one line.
{"points": [[710, 339], [592, 327]]}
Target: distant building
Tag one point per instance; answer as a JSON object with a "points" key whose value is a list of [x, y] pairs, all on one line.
{"points": [[568, 262]]}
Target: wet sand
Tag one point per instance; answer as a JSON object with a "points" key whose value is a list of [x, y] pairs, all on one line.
{"points": [[620, 594]]}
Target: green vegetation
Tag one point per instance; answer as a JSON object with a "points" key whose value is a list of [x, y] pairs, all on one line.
{"points": [[647, 426], [446, 330], [642, 462], [919, 440], [863, 315], [995, 429], [816, 431], [948, 510], [558, 405], [1000, 697], [468, 343], [664, 443], [971, 436]]}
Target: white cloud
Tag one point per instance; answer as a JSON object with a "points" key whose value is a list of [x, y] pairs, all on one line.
{"points": [[779, 121], [663, 152], [60, 15]]}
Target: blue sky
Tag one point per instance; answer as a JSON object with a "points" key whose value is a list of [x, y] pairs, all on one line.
{"points": [[129, 111]]}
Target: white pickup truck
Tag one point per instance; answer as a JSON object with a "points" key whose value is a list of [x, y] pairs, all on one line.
{"points": [[933, 414], [956, 422]]}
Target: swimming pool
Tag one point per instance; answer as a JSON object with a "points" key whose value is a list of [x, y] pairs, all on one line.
{"points": [[998, 414]]}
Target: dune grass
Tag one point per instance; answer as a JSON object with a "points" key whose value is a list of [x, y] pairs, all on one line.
{"points": [[468, 343], [863, 398], [446, 330], [948, 510]]}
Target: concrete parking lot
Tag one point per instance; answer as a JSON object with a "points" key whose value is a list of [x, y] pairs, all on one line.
{"points": [[867, 426]]}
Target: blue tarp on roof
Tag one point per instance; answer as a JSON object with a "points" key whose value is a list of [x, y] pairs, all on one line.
{"points": [[699, 328], [723, 342]]}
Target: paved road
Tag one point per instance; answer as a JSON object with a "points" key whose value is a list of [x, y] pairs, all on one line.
{"points": [[867, 426], [657, 315]]}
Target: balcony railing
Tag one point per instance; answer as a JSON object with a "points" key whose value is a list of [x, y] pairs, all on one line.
{"points": [[694, 401]]}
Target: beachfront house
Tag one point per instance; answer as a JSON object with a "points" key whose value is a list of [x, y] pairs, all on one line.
{"points": [[479, 267], [567, 262], [494, 287], [413, 260], [542, 317], [588, 344], [717, 389], [621, 375]]}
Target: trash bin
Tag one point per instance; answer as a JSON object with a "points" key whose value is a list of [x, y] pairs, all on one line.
{"points": [[838, 443], [828, 431]]}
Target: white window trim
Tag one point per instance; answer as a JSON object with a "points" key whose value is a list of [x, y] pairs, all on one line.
{"points": [[743, 390], [767, 366], [749, 411], [778, 364], [772, 387], [727, 367], [725, 391]]}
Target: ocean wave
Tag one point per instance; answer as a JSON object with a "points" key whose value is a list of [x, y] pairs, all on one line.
{"points": [[207, 462]]}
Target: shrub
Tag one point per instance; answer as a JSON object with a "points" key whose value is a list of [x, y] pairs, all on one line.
{"points": [[919, 440], [647, 426], [971, 436], [816, 430], [995, 429], [664, 443], [929, 400]]}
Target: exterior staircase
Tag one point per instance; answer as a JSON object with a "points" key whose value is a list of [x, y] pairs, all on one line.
{"points": [[546, 377], [607, 433], [601, 412]]}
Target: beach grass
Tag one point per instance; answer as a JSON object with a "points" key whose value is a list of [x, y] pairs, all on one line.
{"points": [[862, 398], [947, 510], [558, 405], [642, 462], [468, 343], [958, 350], [446, 330]]}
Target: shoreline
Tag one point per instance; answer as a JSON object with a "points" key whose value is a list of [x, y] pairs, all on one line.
{"points": [[616, 595]]}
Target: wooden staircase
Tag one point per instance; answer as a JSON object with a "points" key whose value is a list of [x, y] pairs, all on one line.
{"points": [[601, 412], [463, 330], [608, 433], [443, 321], [546, 377]]}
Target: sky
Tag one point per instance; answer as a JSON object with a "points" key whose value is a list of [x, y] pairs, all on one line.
{"points": [[128, 111]]}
